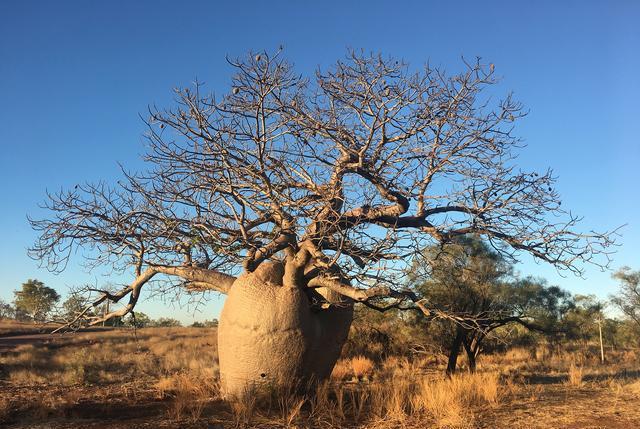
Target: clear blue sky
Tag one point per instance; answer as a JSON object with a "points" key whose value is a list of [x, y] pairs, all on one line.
{"points": [[74, 75]]}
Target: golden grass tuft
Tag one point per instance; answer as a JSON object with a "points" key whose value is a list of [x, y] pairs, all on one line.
{"points": [[575, 375], [342, 370], [25, 377], [189, 397], [362, 367], [633, 388], [243, 410], [449, 401]]}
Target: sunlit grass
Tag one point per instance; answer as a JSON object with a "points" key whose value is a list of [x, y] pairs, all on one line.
{"points": [[178, 368]]}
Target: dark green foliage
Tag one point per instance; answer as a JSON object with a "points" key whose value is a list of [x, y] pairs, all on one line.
{"points": [[213, 323], [166, 322], [476, 286], [138, 319]]}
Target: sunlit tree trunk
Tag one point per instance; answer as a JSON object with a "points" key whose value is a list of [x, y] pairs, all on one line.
{"points": [[269, 334]]}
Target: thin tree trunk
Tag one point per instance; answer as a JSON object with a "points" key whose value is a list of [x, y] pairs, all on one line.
{"points": [[455, 351], [471, 356]]}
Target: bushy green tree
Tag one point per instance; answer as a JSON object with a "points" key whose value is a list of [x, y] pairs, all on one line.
{"points": [[73, 305], [379, 335], [578, 324], [35, 299], [138, 319], [628, 298], [476, 288], [166, 322]]}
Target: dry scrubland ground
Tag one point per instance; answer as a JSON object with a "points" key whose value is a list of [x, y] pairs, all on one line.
{"points": [[167, 377], [12, 327]]}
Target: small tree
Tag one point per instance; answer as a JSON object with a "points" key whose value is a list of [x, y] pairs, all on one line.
{"points": [[579, 323], [35, 299], [138, 319], [166, 322], [628, 298], [73, 305], [474, 286]]}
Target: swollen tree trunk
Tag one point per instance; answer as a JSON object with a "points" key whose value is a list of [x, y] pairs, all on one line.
{"points": [[270, 335]]}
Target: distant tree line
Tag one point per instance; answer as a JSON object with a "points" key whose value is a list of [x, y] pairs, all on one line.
{"points": [[37, 303]]}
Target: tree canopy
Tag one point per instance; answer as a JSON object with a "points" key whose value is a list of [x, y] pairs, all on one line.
{"points": [[476, 287], [35, 299], [343, 177], [628, 298]]}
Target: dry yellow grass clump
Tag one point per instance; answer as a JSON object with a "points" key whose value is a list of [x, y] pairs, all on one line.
{"points": [[342, 370], [575, 375], [362, 367]]}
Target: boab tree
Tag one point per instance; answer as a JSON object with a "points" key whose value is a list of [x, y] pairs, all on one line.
{"points": [[297, 197]]}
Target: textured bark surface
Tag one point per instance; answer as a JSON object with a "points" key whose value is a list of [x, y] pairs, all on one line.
{"points": [[270, 335]]}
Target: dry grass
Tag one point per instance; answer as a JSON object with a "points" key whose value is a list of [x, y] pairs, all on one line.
{"points": [[362, 367], [189, 397], [13, 327], [174, 372], [342, 371], [119, 355], [450, 401], [176, 364], [575, 375], [633, 388], [381, 402]]}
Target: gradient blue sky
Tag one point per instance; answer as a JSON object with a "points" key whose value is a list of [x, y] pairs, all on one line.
{"points": [[75, 75]]}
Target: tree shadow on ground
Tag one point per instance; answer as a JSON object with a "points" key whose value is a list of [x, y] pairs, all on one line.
{"points": [[117, 412]]}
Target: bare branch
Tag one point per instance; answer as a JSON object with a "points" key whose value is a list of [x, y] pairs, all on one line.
{"points": [[359, 168]]}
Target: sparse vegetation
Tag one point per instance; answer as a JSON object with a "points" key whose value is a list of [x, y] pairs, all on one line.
{"points": [[367, 233], [171, 374]]}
